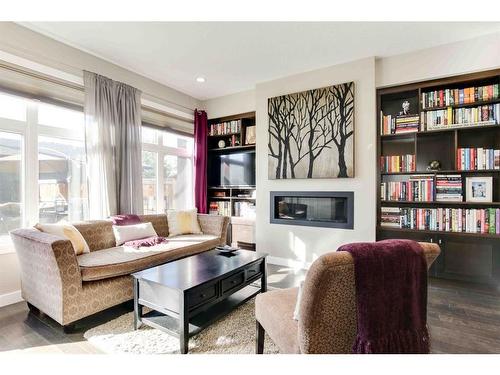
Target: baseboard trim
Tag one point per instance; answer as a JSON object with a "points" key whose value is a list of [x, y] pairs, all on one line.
{"points": [[10, 298], [285, 262]]}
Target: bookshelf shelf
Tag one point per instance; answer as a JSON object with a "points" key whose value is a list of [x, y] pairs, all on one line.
{"points": [[223, 135], [441, 204], [464, 256], [435, 232], [413, 134], [444, 171], [463, 105], [231, 148]]}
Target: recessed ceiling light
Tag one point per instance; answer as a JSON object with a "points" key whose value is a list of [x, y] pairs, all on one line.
{"points": [[200, 79]]}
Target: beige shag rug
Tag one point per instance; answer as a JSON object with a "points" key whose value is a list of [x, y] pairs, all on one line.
{"points": [[233, 334]]}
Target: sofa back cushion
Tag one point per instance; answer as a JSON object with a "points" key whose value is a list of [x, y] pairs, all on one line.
{"points": [[159, 222], [97, 233]]}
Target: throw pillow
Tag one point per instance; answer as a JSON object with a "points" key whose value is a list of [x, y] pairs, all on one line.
{"points": [[128, 219], [183, 222], [68, 231], [125, 233], [296, 312]]}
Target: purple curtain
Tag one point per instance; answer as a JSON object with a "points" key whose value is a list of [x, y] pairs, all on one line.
{"points": [[200, 160]]}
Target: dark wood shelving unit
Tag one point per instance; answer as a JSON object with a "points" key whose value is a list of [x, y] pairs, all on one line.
{"points": [[473, 257], [231, 192]]}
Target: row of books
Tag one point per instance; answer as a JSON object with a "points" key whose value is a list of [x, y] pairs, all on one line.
{"points": [[419, 188], [397, 163], [220, 208], [447, 97], [474, 159], [399, 124], [225, 127], [449, 188], [424, 188], [468, 220], [482, 115]]}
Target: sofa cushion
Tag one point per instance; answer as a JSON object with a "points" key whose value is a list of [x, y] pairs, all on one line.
{"points": [[123, 260], [97, 233], [274, 311], [183, 222], [126, 233]]}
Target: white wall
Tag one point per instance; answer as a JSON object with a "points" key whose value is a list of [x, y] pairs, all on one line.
{"points": [[304, 244], [467, 56], [241, 102]]}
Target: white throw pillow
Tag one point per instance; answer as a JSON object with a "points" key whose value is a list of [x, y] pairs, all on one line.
{"points": [[66, 230], [296, 312], [183, 222], [125, 233]]}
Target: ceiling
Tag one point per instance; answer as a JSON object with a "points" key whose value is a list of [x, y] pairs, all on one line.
{"points": [[233, 56]]}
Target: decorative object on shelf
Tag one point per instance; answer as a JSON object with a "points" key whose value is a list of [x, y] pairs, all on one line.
{"points": [[250, 135], [311, 133], [434, 165], [221, 143], [479, 189], [406, 108]]}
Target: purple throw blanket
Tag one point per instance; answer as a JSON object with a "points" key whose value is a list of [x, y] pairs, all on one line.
{"points": [[146, 242], [391, 297]]}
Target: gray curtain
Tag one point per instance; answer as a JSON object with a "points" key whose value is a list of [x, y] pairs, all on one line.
{"points": [[113, 144]]}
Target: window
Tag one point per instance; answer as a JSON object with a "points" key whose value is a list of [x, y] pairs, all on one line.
{"points": [[149, 181], [167, 170], [62, 184], [10, 185], [42, 165]]}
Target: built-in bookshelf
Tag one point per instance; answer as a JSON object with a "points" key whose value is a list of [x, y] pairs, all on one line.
{"points": [[229, 137], [439, 171]]}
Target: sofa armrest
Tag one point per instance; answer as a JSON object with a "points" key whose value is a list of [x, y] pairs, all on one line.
{"points": [[215, 225], [49, 270]]}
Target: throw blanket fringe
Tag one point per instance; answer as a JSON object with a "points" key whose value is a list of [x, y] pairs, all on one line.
{"points": [[146, 242], [401, 342]]}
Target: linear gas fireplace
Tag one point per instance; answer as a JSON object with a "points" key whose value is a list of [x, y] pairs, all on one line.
{"points": [[313, 208]]}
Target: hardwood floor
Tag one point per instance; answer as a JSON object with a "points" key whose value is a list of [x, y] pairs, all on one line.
{"points": [[462, 318]]}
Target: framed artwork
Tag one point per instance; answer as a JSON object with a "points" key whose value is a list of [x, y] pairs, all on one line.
{"points": [[311, 133], [479, 189]]}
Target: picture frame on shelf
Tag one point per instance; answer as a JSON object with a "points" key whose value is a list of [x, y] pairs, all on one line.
{"points": [[250, 135], [479, 189]]}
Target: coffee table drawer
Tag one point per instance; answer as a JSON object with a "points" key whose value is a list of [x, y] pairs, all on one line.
{"points": [[201, 295], [254, 270], [233, 281]]}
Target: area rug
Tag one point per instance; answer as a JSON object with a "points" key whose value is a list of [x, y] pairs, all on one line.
{"points": [[233, 334]]}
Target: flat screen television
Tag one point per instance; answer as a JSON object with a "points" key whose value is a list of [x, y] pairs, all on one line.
{"points": [[232, 169]]}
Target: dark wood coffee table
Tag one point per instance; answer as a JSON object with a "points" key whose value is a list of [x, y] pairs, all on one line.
{"points": [[189, 294]]}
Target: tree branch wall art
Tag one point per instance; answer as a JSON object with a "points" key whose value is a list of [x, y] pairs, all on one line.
{"points": [[311, 133]]}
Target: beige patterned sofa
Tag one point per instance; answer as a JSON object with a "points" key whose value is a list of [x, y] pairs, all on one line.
{"points": [[68, 287]]}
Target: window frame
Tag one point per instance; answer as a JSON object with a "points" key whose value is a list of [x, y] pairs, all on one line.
{"points": [[30, 130], [160, 150]]}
